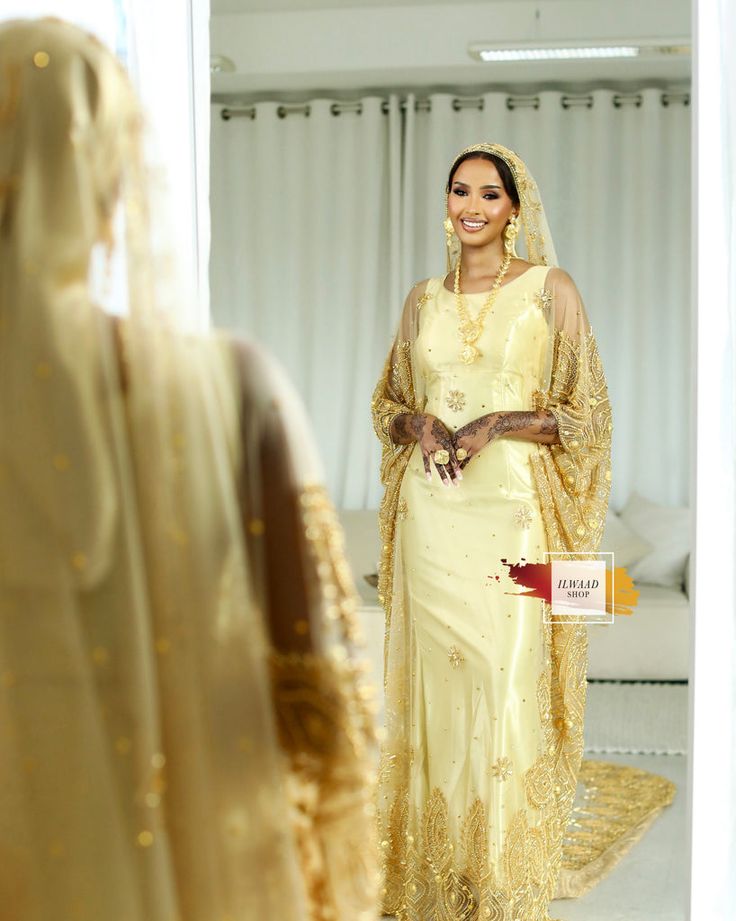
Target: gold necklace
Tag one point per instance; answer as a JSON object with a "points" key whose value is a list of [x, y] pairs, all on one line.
{"points": [[470, 329]]}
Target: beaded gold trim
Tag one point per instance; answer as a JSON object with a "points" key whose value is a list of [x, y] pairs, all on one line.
{"points": [[325, 717]]}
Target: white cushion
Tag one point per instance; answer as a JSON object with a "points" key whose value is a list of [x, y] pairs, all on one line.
{"points": [[627, 546], [650, 644], [667, 528]]}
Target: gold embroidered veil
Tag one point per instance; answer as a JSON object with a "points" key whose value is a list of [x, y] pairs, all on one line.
{"points": [[166, 677], [573, 479]]}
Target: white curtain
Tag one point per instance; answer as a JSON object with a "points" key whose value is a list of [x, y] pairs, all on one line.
{"points": [[322, 223], [712, 786], [305, 246]]}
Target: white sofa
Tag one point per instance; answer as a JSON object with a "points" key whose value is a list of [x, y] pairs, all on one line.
{"points": [[650, 540]]}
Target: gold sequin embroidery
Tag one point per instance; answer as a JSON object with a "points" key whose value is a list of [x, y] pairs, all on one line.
{"points": [[455, 656]]}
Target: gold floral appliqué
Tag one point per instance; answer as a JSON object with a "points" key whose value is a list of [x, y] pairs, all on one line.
{"points": [[523, 516], [456, 400], [543, 299], [501, 768], [455, 656]]}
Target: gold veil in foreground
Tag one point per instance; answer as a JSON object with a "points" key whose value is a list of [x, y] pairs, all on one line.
{"points": [[184, 731], [573, 479]]}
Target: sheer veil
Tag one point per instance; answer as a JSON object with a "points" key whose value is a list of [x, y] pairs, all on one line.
{"points": [[144, 716]]}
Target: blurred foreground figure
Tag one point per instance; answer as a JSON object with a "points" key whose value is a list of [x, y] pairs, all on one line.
{"points": [[184, 730]]}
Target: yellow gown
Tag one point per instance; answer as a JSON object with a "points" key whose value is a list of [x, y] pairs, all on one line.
{"points": [[478, 651], [485, 807]]}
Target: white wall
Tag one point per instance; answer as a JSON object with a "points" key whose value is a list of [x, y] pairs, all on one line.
{"points": [[402, 46]]}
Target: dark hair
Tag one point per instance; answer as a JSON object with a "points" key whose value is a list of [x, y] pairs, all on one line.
{"points": [[504, 171]]}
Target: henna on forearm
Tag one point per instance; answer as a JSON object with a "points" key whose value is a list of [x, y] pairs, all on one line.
{"points": [[540, 426], [406, 428]]}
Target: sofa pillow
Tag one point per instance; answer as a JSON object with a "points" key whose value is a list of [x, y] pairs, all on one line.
{"points": [[627, 546], [667, 528]]}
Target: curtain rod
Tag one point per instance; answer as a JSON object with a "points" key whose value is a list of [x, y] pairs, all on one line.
{"points": [[567, 101]]}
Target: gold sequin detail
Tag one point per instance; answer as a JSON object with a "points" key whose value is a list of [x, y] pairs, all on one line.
{"points": [[56, 850], [41, 59], [455, 656], [100, 655], [79, 561], [523, 516], [543, 299], [455, 400], [501, 768], [403, 509], [256, 526], [423, 300]]}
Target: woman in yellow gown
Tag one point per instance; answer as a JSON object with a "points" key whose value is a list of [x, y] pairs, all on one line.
{"points": [[493, 413]]}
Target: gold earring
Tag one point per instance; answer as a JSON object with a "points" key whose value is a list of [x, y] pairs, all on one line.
{"points": [[511, 231]]}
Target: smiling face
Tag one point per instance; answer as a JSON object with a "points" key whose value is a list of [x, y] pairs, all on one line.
{"points": [[478, 205]]}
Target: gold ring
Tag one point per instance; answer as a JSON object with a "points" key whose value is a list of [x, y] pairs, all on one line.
{"points": [[461, 453], [441, 457]]}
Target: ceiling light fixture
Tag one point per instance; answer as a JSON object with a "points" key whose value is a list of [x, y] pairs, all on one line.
{"points": [[558, 51]]}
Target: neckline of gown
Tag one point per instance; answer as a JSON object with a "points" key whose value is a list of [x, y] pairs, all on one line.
{"points": [[485, 293]]}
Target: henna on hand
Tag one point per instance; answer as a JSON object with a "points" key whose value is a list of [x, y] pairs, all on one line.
{"points": [[441, 434], [407, 428], [432, 435], [450, 471]]}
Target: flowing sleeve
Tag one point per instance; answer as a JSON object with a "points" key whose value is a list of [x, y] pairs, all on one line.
{"points": [[573, 477], [397, 391], [323, 708]]}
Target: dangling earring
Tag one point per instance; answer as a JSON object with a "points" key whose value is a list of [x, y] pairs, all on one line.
{"points": [[449, 230], [511, 231], [452, 244]]}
